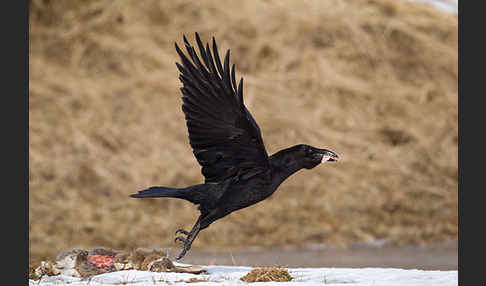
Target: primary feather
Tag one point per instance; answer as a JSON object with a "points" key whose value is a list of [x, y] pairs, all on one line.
{"points": [[224, 137]]}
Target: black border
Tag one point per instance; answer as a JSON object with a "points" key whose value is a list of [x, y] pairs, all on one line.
{"points": [[15, 138], [23, 70], [460, 183]]}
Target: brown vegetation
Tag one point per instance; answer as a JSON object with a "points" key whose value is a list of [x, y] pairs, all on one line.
{"points": [[373, 80], [267, 274]]}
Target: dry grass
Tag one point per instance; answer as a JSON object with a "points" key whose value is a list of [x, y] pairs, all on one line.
{"points": [[373, 80], [267, 274]]}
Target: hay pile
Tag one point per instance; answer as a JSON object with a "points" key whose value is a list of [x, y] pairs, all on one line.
{"points": [[267, 274], [373, 80]]}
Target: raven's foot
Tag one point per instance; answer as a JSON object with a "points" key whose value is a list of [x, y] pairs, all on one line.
{"points": [[187, 241], [183, 252], [180, 230], [190, 236], [180, 238]]}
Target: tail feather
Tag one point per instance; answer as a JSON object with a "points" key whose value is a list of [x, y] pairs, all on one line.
{"points": [[156, 192], [191, 193]]}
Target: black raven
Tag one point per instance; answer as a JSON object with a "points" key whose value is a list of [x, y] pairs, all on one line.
{"points": [[227, 143]]}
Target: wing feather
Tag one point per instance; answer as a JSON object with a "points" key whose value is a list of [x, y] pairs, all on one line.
{"points": [[225, 138]]}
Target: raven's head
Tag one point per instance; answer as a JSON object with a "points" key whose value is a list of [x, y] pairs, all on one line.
{"points": [[312, 156]]}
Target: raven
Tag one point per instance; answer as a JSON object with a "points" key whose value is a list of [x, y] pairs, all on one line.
{"points": [[227, 143]]}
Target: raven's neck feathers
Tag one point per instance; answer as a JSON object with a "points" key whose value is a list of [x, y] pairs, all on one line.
{"points": [[283, 164]]}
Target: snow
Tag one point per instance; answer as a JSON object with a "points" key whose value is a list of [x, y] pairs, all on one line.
{"points": [[230, 275]]}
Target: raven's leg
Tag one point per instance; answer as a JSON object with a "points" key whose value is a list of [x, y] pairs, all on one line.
{"points": [[189, 239], [203, 221]]}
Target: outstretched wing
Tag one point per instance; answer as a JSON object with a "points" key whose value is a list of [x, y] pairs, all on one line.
{"points": [[225, 138]]}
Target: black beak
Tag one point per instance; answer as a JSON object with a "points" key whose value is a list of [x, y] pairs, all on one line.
{"points": [[328, 155]]}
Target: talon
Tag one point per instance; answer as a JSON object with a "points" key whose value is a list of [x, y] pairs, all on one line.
{"points": [[180, 238], [183, 252], [182, 231]]}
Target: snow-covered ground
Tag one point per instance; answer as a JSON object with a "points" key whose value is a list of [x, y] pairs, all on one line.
{"points": [[230, 275]]}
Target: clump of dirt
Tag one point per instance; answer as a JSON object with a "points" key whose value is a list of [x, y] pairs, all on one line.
{"points": [[196, 280], [267, 274]]}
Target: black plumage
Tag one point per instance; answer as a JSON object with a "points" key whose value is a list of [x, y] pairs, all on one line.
{"points": [[227, 143]]}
